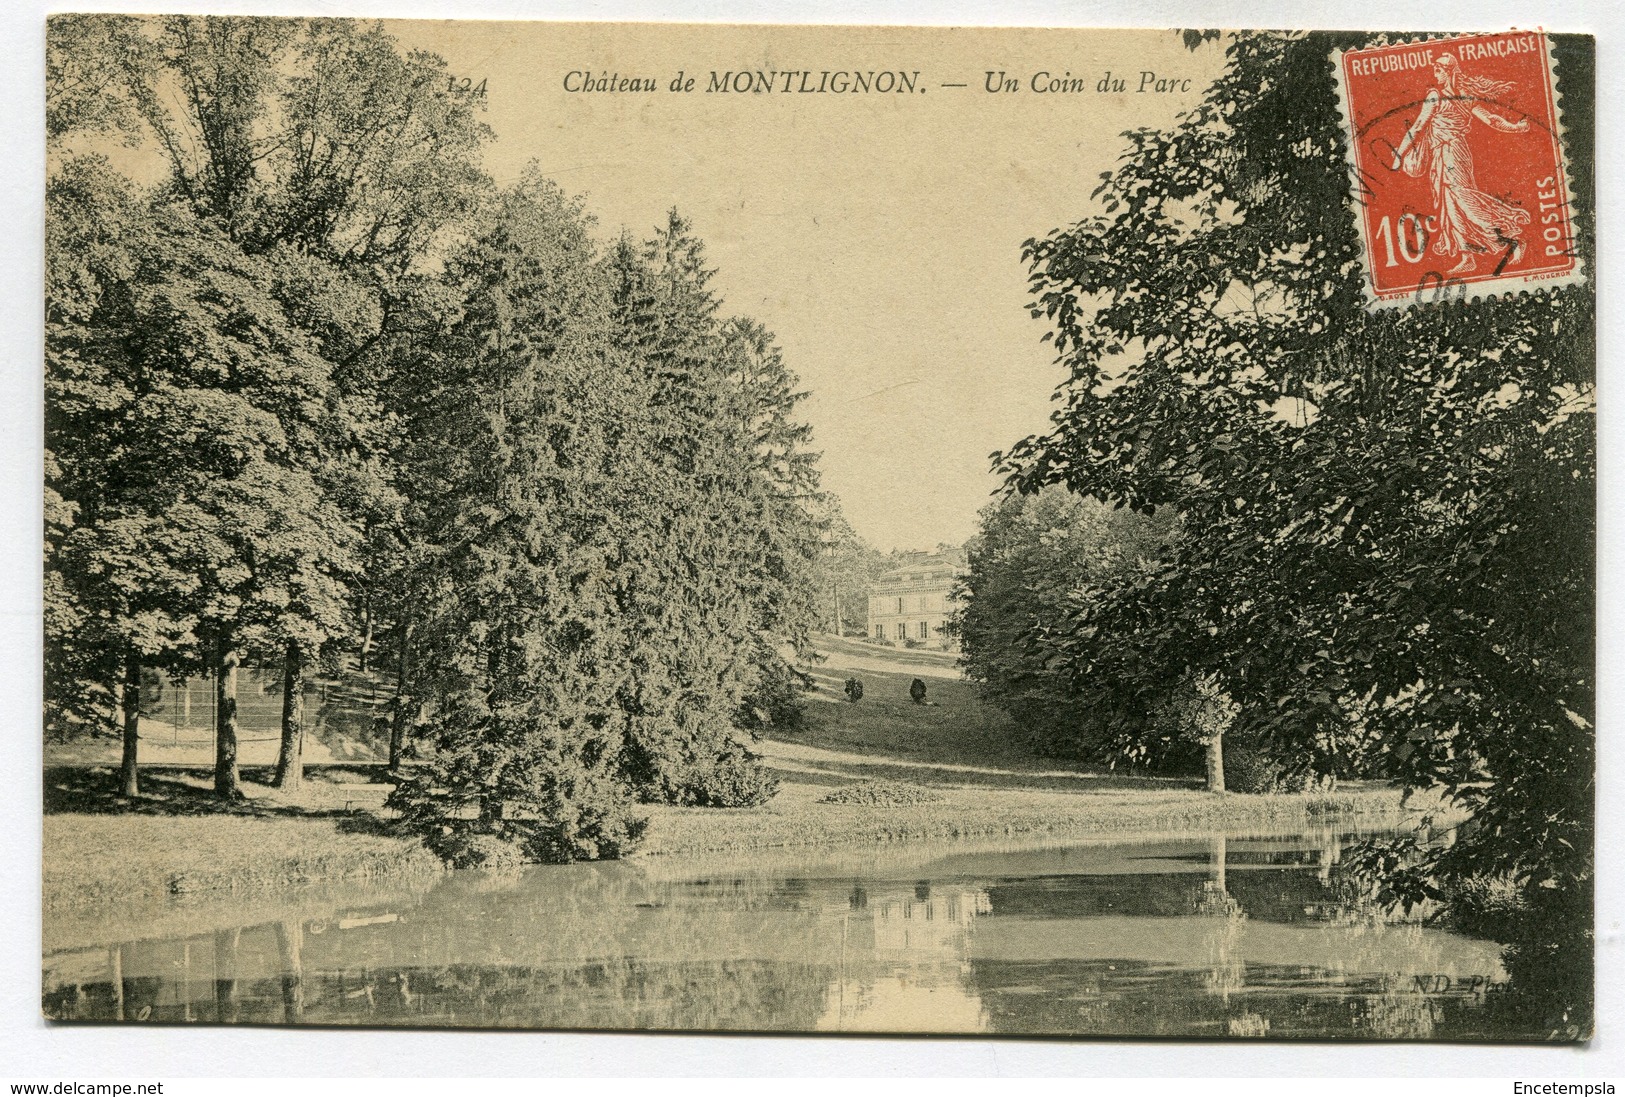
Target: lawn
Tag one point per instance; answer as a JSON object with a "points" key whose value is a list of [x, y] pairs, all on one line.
{"points": [[980, 783], [178, 839], [972, 757]]}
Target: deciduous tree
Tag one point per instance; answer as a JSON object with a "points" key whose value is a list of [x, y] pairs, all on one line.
{"points": [[185, 412], [1390, 513], [1038, 556]]}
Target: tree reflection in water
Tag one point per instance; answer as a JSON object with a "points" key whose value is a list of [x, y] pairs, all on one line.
{"points": [[1226, 972], [290, 939], [225, 974], [1212, 937]]}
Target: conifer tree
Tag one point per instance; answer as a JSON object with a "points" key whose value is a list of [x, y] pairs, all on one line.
{"points": [[706, 590], [516, 462]]}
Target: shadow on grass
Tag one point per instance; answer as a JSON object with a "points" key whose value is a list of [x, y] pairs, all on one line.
{"points": [[832, 648], [836, 772], [821, 777], [94, 790]]}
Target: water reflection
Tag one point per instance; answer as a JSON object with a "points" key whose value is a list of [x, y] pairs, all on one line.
{"points": [[225, 974], [1219, 936], [904, 961]]}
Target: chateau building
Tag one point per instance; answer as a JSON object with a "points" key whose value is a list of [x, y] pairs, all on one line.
{"points": [[914, 601]]}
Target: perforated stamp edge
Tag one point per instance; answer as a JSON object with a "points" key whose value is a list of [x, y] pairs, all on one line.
{"points": [[1448, 289]]}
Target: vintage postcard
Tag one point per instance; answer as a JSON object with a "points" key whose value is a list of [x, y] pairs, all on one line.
{"points": [[724, 528]]}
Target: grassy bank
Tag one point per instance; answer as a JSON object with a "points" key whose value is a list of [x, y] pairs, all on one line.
{"points": [[334, 832], [796, 818], [176, 839], [977, 780], [989, 783]]}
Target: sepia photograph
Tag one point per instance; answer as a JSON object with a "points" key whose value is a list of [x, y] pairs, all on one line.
{"points": [[747, 528]]}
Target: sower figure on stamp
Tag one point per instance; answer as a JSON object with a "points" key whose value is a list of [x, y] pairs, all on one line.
{"points": [[1469, 222]]}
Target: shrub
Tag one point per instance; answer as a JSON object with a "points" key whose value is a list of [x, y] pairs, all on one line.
{"points": [[580, 817], [1550, 958], [708, 768], [735, 778], [466, 847], [1484, 906], [588, 818], [881, 793], [1248, 769]]}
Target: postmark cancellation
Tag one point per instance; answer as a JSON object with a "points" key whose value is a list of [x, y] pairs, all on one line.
{"points": [[1459, 181]]}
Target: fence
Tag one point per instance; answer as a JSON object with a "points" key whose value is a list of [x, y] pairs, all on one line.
{"points": [[349, 714]]}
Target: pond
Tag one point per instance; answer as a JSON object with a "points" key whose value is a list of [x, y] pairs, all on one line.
{"points": [[1214, 936]]}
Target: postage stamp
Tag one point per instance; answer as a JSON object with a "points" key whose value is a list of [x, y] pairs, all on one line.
{"points": [[1458, 180]]}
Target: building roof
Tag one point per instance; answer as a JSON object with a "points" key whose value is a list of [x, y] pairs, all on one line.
{"points": [[928, 566]]}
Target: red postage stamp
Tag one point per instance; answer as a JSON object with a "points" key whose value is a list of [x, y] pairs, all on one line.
{"points": [[1459, 183]]}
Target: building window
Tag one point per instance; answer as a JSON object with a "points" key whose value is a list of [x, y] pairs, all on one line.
{"points": [[880, 632], [899, 605], [925, 630]]}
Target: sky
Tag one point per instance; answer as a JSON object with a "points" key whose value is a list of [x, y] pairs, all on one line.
{"points": [[878, 236]]}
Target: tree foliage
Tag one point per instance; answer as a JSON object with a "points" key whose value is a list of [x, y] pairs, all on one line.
{"points": [[322, 388], [515, 453], [1036, 558], [187, 412], [611, 500], [1390, 513], [319, 165]]}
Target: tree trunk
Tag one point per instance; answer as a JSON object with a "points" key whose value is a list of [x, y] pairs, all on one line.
{"points": [[290, 760], [397, 736], [1218, 856], [130, 703], [402, 715], [1215, 764], [492, 804], [493, 808], [366, 629], [226, 780], [115, 690], [115, 963]]}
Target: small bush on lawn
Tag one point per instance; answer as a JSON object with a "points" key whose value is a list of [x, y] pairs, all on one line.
{"points": [[1248, 769], [882, 793], [584, 817]]}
